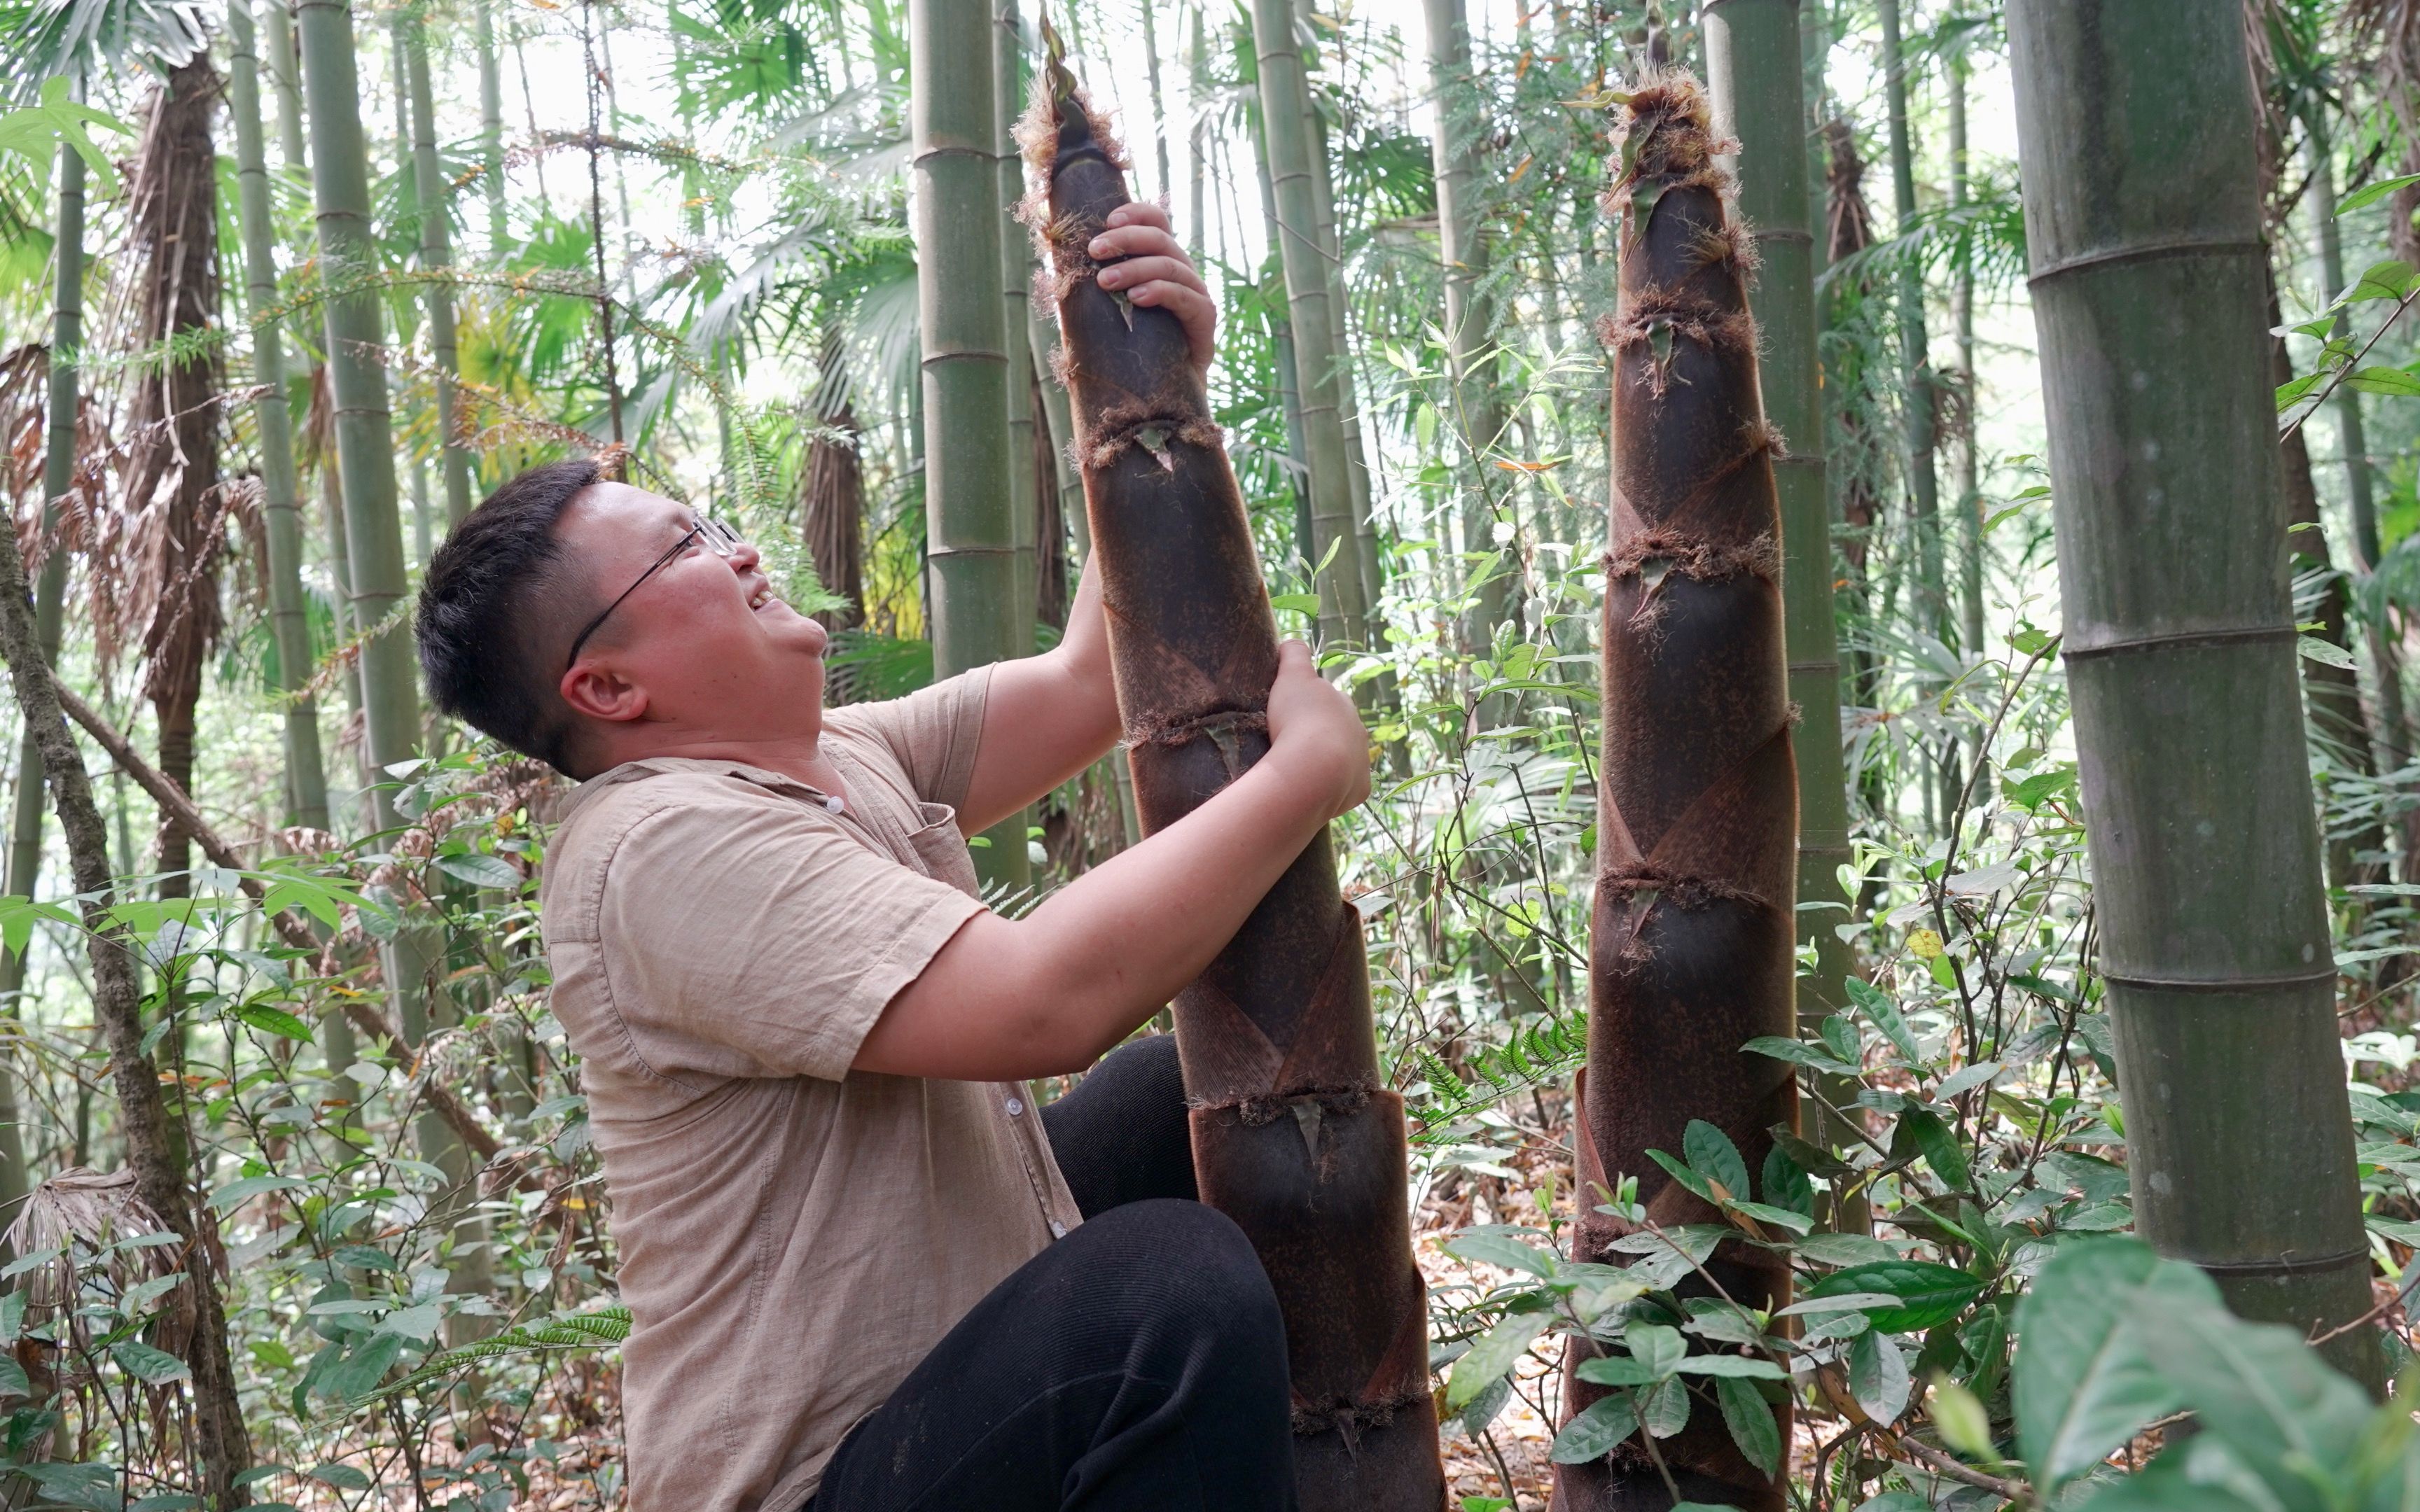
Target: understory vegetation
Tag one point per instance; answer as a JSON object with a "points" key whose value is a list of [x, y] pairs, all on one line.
{"points": [[676, 235]]}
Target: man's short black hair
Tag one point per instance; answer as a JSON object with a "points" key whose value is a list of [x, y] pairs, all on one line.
{"points": [[485, 614]]}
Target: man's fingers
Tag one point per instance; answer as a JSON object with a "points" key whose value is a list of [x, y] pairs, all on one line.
{"points": [[1136, 271], [1136, 241], [1137, 212], [1196, 311]]}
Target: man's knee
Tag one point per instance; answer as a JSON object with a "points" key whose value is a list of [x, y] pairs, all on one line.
{"points": [[1181, 1263]]}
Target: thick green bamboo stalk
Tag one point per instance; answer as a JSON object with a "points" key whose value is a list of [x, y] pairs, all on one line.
{"points": [[1348, 408], [1295, 1134], [436, 256], [1469, 312], [1920, 438], [63, 400], [969, 533], [1689, 940], [1016, 283], [2393, 734], [1289, 377], [492, 129], [1286, 138], [1755, 77], [306, 774], [1961, 303], [2144, 243], [286, 75], [374, 584]]}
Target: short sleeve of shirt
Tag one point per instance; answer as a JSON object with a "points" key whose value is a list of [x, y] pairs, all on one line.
{"points": [[933, 733], [751, 934]]}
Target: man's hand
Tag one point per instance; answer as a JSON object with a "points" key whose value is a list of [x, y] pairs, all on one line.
{"points": [[1154, 272], [1316, 735]]}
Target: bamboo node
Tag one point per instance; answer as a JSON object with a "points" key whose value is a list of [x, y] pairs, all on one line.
{"points": [[1150, 426], [1345, 1416], [1340, 1101], [1654, 555]]}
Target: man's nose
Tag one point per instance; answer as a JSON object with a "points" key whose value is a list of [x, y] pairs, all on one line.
{"points": [[745, 556]]}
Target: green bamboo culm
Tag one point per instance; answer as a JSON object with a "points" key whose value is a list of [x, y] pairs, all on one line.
{"points": [[1470, 310], [306, 774], [969, 534], [1920, 438], [491, 129], [1017, 282], [1755, 83], [1286, 137], [432, 194], [2144, 230], [63, 397], [373, 528]]}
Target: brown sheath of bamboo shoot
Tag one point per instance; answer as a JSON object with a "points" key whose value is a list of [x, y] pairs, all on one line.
{"points": [[1293, 1137], [1697, 800]]}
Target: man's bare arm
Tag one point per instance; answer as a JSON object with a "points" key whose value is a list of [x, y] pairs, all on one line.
{"points": [[1048, 994], [1047, 719]]}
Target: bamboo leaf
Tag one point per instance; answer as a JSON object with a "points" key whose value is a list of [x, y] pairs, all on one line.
{"points": [[2368, 194]]}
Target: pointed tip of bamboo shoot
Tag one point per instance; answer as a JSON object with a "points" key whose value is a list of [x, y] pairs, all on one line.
{"points": [[1667, 140]]}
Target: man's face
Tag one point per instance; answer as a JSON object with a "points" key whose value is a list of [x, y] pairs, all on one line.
{"points": [[703, 642]]}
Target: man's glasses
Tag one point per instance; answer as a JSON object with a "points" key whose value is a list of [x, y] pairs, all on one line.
{"points": [[713, 535]]}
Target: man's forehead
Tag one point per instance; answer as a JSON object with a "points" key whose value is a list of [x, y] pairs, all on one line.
{"points": [[615, 507]]}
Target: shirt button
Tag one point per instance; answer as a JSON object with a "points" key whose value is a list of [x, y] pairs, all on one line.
{"points": [[1016, 1106], [1057, 1230], [832, 801]]}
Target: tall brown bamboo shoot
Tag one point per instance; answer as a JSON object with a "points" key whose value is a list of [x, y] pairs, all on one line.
{"points": [[1697, 800], [1294, 1136]]}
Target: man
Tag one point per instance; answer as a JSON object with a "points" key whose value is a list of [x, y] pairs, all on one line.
{"points": [[860, 1275]]}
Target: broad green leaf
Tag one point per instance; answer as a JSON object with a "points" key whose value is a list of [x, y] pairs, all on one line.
{"points": [[343, 1478], [2395, 382], [1618, 1370], [1939, 1143], [1878, 1377], [1682, 1173], [1500, 1250], [137, 1300], [253, 1186], [1733, 1367], [13, 1378], [2258, 1387], [1927, 1293], [1844, 1249], [270, 1020], [1966, 1425], [1658, 1348], [2081, 1385], [2368, 194], [1594, 1433], [1298, 603], [2326, 652], [156, 1366], [1494, 1354], [1665, 1408], [1799, 1052], [1771, 1217], [1749, 1417], [1884, 1015], [2388, 279], [1784, 1184], [1712, 1155], [481, 871]]}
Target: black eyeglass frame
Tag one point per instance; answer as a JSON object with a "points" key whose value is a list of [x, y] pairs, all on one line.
{"points": [[719, 538]]}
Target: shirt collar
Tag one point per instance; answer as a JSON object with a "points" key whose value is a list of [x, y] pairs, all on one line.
{"points": [[638, 771]]}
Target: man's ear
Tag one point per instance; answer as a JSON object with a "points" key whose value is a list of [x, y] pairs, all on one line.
{"points": [[599, 692]]}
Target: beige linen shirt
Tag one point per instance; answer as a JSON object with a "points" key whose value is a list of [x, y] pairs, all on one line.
{"points": [[794, 1235]]}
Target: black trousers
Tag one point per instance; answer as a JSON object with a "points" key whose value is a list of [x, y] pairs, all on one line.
{"points": [[1137, 1364]]}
